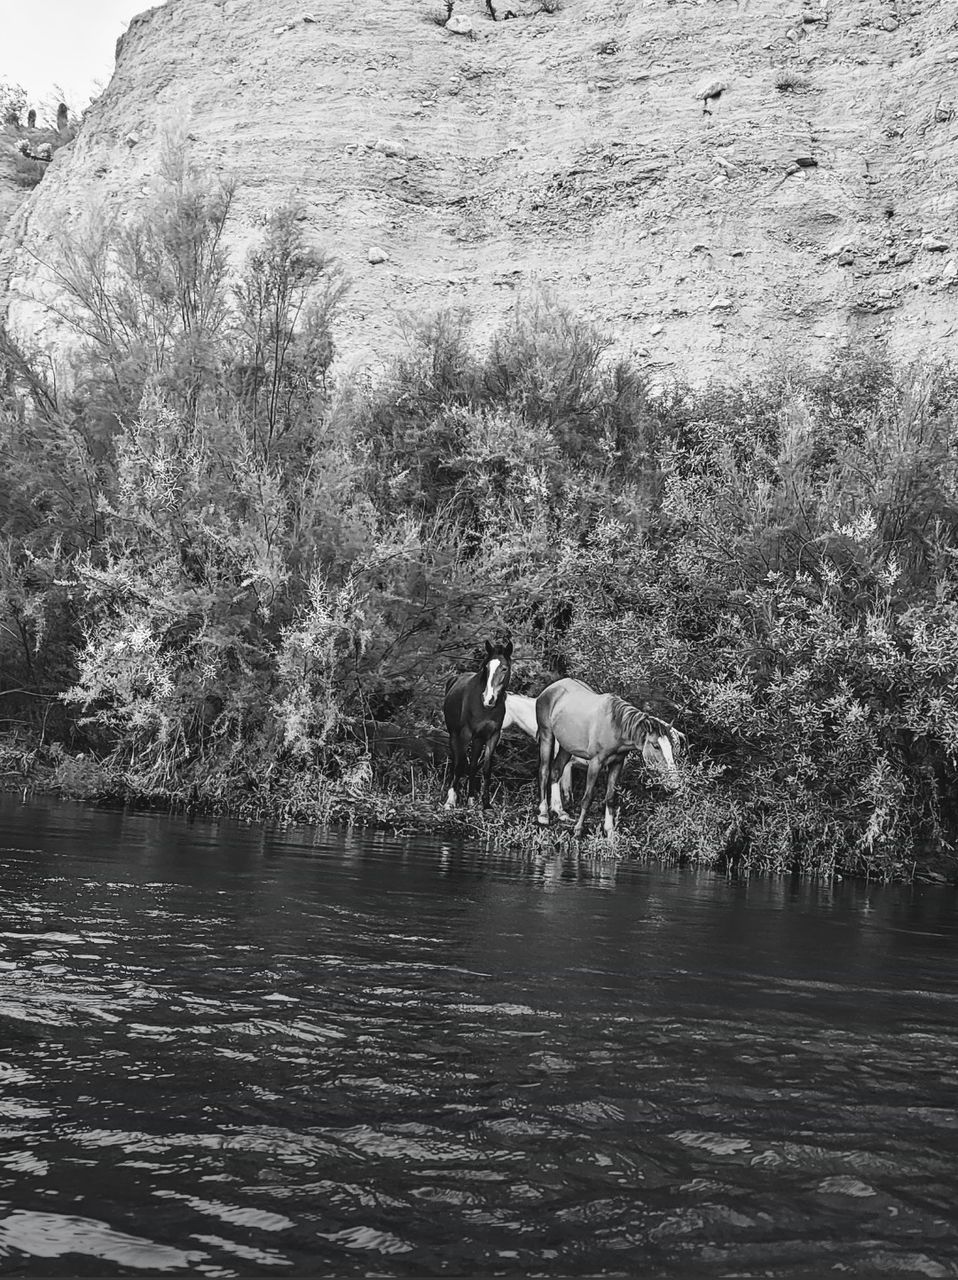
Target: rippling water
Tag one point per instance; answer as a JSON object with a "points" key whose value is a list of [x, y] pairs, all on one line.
{"points": [[229, 1052]]}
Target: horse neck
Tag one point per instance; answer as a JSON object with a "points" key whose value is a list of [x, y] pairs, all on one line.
{"points": [[634, 725], [521, 711]]}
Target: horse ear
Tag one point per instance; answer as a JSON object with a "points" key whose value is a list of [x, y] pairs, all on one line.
{"points": [[507, 649], [488, 649]]}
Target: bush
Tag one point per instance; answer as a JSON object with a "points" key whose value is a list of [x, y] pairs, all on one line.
{"points": [[795, 600], [28, 171], [441, 14], [228, 580], [13, 102], [790, 81]]}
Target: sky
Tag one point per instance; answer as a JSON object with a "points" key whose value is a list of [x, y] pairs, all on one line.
{"points": [[69, 43]]}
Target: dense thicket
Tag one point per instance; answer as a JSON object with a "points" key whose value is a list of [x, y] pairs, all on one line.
{"points": [[225, 578]]}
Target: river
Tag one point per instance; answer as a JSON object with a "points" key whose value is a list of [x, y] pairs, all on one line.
{"points": [[226, 1051]]}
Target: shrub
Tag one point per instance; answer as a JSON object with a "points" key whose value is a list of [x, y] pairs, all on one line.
{"points": [[224, 576], [286, 298], [28, 171], [441, 14], [787, 80], [13, 102]]}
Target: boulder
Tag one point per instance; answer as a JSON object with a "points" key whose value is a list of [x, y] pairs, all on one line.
{"points": [[459, 25]]}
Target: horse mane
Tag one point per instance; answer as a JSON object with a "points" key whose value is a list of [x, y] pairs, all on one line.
{"points": [[633, 724]]}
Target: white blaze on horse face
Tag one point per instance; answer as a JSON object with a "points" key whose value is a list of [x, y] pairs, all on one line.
{"points": [[657, 754], [490, 692], [671, 773]]}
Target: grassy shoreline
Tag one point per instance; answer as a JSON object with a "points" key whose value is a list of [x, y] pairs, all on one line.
{"points": [[510, 823]]}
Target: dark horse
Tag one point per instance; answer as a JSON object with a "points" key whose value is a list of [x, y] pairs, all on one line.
{"points": [[474, 709], [576, 723]]}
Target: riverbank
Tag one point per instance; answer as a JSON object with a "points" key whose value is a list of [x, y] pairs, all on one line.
{"points": [[228, 583], [654, 827]]}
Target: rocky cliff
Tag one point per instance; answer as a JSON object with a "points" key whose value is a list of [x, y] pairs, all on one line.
{"points": [[716, 183]]}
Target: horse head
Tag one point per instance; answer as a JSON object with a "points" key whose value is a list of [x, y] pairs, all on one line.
{"points": [[662, 743], [495, 671]]}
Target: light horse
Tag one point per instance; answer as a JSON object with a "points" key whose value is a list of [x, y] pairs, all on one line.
{"points": [[575, 722], [474, 709], [521, 714]]}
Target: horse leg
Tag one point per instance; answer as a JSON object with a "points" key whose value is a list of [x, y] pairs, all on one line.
{"points": [[595, 768], [560, 763], [450, 776], [473, 765], [489, 750], [546, 743], [614, 770], [565, 787], [457, 763]]}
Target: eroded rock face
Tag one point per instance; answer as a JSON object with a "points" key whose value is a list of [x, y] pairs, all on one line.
{"points": [[715, 185]]}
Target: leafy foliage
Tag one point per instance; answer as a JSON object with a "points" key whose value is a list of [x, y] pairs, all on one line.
{"points": [[226, 579], [13, 103]]}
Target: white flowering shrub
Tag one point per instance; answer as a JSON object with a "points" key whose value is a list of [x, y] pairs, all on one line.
{"points": [[317, 656]]}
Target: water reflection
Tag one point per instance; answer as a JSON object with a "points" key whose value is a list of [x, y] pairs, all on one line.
{"points": [[231, 1051]]}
